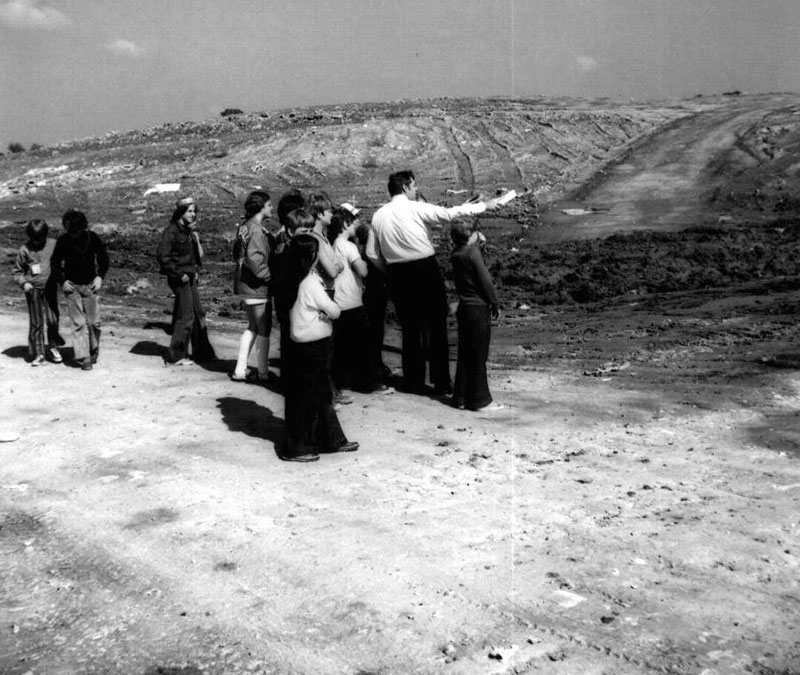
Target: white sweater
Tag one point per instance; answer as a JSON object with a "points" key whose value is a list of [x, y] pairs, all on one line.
{"points": [[311, 314]]}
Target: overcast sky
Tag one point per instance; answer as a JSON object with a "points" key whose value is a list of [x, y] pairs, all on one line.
{"points": [[76, 68]]}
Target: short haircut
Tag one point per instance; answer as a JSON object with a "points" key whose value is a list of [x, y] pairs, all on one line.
{"points": [[301, 255], [74, 220], [340, 221], [398, 181], [318, 203], [460, 233], [289, 201], [255, 202], [36, 230], [297, 219]]}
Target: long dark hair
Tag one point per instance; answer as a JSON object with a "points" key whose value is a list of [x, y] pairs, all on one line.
{"points": [[302, 255], [341, 220], [254, 203], [181, 209]]}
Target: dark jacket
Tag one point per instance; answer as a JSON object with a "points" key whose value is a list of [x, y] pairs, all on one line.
{"points": [[27, 256], [177, 253], [473, 283], [79, 259], [252, 252]]}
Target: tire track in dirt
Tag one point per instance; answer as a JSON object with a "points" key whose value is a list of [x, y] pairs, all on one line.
{"points": [[466, 176], [664, 181]]}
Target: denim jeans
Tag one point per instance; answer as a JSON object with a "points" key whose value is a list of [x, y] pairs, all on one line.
{"points": [[84, 315]]}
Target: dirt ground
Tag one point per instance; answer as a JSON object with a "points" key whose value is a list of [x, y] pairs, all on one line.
{"points": [[632, 510]]}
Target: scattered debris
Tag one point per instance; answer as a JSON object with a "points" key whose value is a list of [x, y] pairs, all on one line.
{"points": [[568, 599], [161, 188], [607, 368]]}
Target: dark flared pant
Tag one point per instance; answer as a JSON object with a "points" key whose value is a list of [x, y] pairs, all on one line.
{"points": [[375, 299], [418, 294], [188, 325], [471, 388], [354, 363], [311, 422]]}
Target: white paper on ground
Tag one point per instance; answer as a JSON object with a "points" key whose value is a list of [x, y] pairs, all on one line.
{"points": [[507, 197]]}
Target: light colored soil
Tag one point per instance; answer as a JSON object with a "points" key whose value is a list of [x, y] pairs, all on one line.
{"points": [[633, 509], [150, 528]]}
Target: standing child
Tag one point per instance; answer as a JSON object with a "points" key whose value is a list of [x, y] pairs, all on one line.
{"points": [[477, 305], [312, 426], [80, 263], [252, 251], [180, 258], [354, 364], [32, 274]]}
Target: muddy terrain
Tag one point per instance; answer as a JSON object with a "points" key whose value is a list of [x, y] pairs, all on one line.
{"points": [[633, 509]]}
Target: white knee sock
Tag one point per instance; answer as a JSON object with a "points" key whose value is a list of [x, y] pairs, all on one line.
{"points": [[245, 345]]}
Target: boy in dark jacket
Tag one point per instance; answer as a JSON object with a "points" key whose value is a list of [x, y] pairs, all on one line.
{"points": [[80, 263]]}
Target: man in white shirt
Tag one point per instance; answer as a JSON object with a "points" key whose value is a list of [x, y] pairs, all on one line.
{"points": [[399, 243]]}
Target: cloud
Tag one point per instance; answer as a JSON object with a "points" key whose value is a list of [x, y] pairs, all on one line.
{"points": [[586, 63], [30, 14], [125, 48]]}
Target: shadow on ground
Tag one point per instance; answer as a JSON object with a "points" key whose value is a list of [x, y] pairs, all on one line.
{"points": [[248, 417]]}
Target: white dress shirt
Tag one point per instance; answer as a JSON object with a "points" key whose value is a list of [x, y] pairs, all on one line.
{"points": [[399, 229]]}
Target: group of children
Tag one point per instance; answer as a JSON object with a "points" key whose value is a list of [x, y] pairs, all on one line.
{"points": [[315, 275], [328, 296], [78, 262]]}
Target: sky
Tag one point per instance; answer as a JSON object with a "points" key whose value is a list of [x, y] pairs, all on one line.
{"points": [[77, 68]]}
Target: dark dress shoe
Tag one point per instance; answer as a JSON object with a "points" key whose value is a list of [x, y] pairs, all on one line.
{"points": [[310, 457]]}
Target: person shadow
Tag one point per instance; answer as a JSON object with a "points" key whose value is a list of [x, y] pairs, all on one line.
{"points": [[21, 352], [17, 352], [149, 348], [250, 418]]}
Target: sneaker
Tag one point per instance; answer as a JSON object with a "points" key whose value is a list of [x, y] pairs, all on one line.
{"points": [[342, 398], [38, 361], [350, 446], [492, 407], [184, 362], [443, 390], [55, 355]]}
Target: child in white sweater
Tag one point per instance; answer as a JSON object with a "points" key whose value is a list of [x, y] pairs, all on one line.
{"points": [[312, 426]]}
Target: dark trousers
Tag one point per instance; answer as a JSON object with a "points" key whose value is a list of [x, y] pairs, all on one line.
{"points": [[188, 325], [311, 422], [375, 299], [418, 294], [474, 334], [354, 363], [51, 297], [40, 319]]}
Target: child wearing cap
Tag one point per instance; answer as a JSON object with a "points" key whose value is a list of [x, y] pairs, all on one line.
{"points": [[354, 364]]}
